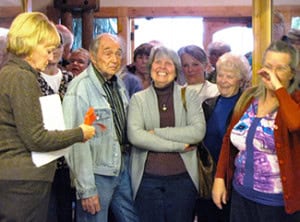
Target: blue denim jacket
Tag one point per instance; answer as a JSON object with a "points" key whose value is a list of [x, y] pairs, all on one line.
{"points": [[102, 154]]}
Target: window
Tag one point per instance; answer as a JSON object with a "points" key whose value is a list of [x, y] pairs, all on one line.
{"points": [[101, 25], [181, 31], [171, 32], [295, 23], [239, 38]]}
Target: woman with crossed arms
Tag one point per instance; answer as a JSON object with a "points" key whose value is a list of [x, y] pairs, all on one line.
{"points": [[164, 164]]}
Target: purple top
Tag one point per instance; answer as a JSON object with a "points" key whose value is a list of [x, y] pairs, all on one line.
{"points": [[257, 174]]}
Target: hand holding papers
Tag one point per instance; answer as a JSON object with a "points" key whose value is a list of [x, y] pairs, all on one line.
{"points": [[53, 120]]}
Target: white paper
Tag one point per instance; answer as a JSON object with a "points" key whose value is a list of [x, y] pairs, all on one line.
{"points": [[53, 120]]}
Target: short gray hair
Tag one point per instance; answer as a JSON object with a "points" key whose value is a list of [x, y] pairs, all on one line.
{"points": [[163, 51], [94, 46]]}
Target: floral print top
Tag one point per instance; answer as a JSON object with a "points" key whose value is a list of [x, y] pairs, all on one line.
{"points": [[257, 174]]}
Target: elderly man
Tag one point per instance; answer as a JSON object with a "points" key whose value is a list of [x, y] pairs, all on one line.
{"points": [[100, 167]]}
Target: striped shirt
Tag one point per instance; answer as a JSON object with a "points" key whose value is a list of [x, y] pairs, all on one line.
{"points": [[114, 99]]}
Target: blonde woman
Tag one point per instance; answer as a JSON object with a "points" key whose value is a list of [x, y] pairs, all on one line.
{"points": [[24, 188]]}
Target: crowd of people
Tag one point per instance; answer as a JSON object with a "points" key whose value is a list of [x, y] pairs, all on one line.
{"points": [[134, 157]]}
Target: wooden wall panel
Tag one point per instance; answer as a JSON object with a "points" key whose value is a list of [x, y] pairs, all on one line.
{"points": [[262, 28]]}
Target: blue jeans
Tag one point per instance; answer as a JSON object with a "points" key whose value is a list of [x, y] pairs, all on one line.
{"points": [[166, 198], [114, 192]]}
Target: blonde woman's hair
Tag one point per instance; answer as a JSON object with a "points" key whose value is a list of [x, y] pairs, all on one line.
{"points": [[28, 30]]}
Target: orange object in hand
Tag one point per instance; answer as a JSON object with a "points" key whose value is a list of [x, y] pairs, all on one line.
{"points": [[90, 116]]}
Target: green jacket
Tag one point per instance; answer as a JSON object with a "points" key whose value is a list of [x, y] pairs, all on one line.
{"points": [[21, 125]]}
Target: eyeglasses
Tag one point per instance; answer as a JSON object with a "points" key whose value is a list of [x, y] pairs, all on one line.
{"points": [[278, 69]]}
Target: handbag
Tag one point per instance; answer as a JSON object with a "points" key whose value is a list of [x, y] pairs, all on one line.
{"points": [[206, 164], [206, 169]]}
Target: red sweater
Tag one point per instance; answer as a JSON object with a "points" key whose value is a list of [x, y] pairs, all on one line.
{"points": [[287, 143]]}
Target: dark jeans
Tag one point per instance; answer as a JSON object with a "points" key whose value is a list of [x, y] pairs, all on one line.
{"points": [[166, 198], [244, 210], [207, 211], [24, 200], [61, 198]]}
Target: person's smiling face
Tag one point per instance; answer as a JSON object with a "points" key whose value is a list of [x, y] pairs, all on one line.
{"points": [[163, 71], [228, 82]]}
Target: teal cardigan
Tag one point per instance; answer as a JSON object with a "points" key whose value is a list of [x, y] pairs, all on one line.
{"points": [[143, 116]]}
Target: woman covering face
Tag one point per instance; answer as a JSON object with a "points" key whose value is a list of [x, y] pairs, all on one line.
{"points": [[260, 150]]}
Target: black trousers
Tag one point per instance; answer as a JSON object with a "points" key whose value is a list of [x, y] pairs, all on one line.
{"points": [[207, 211], [62, 197], [22, 201], [244, 210]]}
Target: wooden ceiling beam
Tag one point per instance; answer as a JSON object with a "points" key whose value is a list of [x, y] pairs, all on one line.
{"points": [[9, 11], [236, 11]]}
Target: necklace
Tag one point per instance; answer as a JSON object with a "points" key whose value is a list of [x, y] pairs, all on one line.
{"points": [[163, 97], [164, 106]]}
